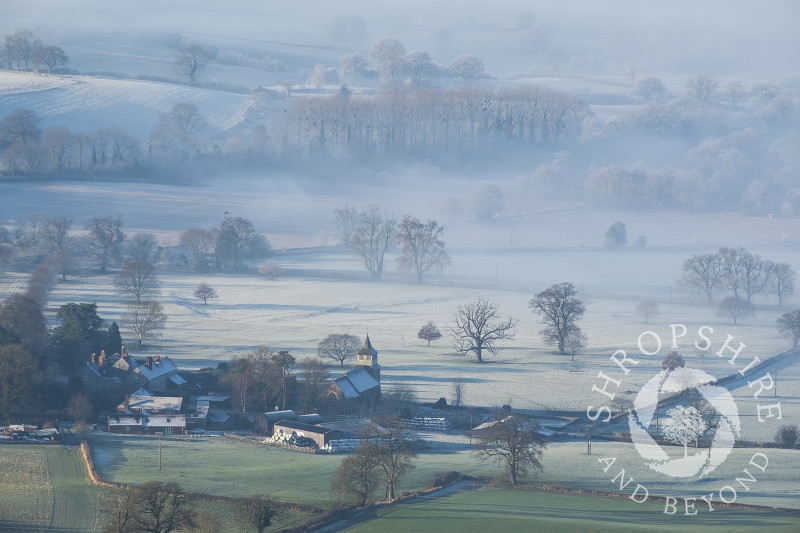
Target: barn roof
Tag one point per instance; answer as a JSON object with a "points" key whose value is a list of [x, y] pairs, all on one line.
{"points": [[300, 426], [277, 416], [153, 403]]}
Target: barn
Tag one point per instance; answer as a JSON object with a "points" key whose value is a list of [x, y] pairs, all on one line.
{"points": [[319, 434]]}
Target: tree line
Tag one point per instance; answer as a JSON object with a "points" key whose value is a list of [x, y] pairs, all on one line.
{"points": [[23, 51]]}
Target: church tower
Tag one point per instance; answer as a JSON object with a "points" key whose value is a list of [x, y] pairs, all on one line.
{"points": [[368, 358]]}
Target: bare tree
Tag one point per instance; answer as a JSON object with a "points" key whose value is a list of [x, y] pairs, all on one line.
{"points": [[20, 125], [55, 234], [339, 347], [631, 70], [392, 449], [647, 309], [271, 269], [459, 389], [477, 327], [422, 245], [789, 325], [179, 130], [315, 379], [162, 508], [142, 246], [702, 87], [145, 320], [735, 308], [559, 309], [672, 361], [388, 57], [514, 442], [373, 237], [576, 341], [50, 56], [357, 476], [467, 68], [345, 219], [703, 272], [733, 267], [105, 239], [782, 281], [429, 332], [257, 512], [191, 61], [756, 274], [138, 280], [200, 242], [205, 292]]}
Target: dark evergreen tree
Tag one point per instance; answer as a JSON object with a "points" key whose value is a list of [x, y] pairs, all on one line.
{"points": [[113, 340]]}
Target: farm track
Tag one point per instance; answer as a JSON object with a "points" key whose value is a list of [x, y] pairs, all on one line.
{"points": [[74, 497]]}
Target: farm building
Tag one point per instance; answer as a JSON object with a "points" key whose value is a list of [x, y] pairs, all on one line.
{"points": [[142, 401], [124, 373], [265, 422], [319, 434], [212, 411], [360, 387], [147, 424]]}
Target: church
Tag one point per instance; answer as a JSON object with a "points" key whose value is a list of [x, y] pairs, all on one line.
{"points": [[358, 388]]}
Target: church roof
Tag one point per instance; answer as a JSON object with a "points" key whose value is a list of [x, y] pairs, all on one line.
{"points": [[367, 349]]}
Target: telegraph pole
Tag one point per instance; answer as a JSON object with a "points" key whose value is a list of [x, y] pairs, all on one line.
{"points": [[588, 439], [159, 454]]}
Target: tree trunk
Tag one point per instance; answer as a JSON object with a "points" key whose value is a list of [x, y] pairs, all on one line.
{"points": [[478, 354]]}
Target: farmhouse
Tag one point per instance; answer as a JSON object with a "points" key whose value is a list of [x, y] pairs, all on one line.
{"points": [[147, 424], [118, 373], [360, 387]]}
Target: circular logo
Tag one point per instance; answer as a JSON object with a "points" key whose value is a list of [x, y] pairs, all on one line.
{"points": [[684, 424]]}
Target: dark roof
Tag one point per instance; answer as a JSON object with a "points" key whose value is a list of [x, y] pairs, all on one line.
{"points": [[291, 424], [367, 349]]}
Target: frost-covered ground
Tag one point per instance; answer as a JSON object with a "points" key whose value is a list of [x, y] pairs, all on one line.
{"points": [[508, 261]]}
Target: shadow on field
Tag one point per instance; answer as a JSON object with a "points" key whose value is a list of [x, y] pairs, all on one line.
{"points": [[22, 527]]}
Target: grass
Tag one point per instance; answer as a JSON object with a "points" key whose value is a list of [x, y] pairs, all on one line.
{"points": [[234, 468], [501, 510], [45, 488]]}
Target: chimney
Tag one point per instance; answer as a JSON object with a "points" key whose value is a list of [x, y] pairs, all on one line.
{"points": [[127, 401], [93, 358], [124, 353], [149, 362], [101, 361], [157, 358]]}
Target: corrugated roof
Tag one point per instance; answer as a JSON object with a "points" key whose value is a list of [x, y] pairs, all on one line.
{"points": [[153, 403], [277, 416], [300, 426], [212, 398], [354, 426]]}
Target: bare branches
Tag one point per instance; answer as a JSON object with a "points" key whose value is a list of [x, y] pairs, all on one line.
{"points": [[477, 327]]}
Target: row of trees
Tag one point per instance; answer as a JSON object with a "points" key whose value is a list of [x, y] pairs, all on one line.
{"points": [[163, 507], [23, 51], [742, 273], [29, 150], [372, 232], [104, 243], [459, 122]]}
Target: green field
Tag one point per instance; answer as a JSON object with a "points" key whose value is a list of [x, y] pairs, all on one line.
{"points": [[502, 510], [233, 468], [45, 488]]}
